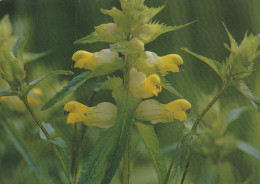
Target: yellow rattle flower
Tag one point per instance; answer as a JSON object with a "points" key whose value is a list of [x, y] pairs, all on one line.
{"points": [[142, 87], [91, 61], [171, 63], [102, 115], [155, 112]]}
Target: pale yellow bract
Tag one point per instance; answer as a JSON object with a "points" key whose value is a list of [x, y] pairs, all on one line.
{"points": [[102, 115], [155, 112]]}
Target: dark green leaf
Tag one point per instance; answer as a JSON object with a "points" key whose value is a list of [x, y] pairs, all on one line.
{"points": [[151, 141], [20, 146], [73, 85], [95, 167], [126, 105]]}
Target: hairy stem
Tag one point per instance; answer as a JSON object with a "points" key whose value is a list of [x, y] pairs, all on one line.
{"points": [[199, 118], [126, 163], [38, 122]]}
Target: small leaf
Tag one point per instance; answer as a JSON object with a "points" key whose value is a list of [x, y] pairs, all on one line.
{"points": [[56, 72], [7, 92], [245, 147], [167, 85], [95, 167], [19, 144], [19, 46], [49, 129], [151, 141], [242, 87], [73, 85], [215, 65]]}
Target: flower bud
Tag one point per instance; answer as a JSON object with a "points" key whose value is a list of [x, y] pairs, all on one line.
{"points": [[155, 112]]}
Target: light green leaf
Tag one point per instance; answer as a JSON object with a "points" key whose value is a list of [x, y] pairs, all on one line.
{"points": [[126, 105], [95, 167], [30, 56], [49, 129], [215, 65], [19, 46], [56, 72], [73, 85], [247, 148], [19, 144], [7, 92], [242, 87], [233, 114], [151, 141], [233, 42]]}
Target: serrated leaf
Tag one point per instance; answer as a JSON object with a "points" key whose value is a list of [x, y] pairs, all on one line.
{"points": [[245, 147], [7, 92], [151, 141], [233, 42], [19, 144], [109, 33], [94, 169], [73, 85], [56, 72], [126, 107], [215, 65], [167, 85], [242, 87]]}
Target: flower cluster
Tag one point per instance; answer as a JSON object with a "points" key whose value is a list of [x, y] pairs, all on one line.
{"points": [[143, 70]]}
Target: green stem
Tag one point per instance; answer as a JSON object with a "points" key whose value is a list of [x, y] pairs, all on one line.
{"points": [[38, 122], [74, 153], [126, 163], [199, 118]]}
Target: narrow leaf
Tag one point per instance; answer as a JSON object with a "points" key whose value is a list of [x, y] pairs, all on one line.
{"points": [[151, 141], [215, 65], [6, 92], [56, 72], [30, 56], [95, 167], [167, 85], [73, 85], [245, 147], [19, 46], [20, 146]]}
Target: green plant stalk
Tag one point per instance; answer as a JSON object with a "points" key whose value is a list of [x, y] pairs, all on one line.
{"points": [[126, 162], [196, 123], [38, 122]]}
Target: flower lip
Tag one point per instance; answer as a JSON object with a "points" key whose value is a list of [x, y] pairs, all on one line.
{"points": [[188, 111], [180, 66], [66, 113], [158, 86], [73, 63]]}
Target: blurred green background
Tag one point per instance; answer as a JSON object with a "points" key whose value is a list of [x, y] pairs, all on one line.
{"points": [[55, 24]]}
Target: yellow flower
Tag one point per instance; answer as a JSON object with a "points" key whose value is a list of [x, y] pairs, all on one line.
{"points": [[102, 115], [155, 112], [142, 87], [91, 61], [152, 63], [171, 63]]}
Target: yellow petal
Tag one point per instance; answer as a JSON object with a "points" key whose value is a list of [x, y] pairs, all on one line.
{"points": [[152, 86], [75, 118], [84, 59], [76, 107], [171, 63]]}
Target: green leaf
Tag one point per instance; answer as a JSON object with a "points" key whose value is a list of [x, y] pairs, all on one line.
{"points": [[245, 147], [242, 87], [126, 105], [7, 92], [233, 43], [73, 85], [19, 46], [56, 72], [95, 167], [215, 65], [151, 141], [19, 144], [49, 129], [30, 56], [167, 85], [233, 114]]}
